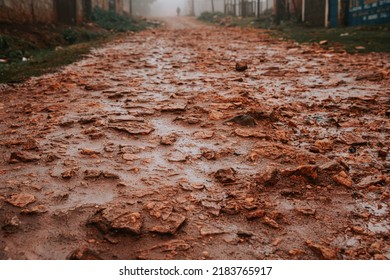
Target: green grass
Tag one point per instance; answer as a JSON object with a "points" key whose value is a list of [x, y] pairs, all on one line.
{"points": [[75, 41], [350, 39], [372, 38], [45, 61]]}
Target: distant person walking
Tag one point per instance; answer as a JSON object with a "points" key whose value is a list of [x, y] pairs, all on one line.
{"points": [[178, 11]]}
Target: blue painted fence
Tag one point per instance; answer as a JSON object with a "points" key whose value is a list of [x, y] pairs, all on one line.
{"points": [[365, 12]]}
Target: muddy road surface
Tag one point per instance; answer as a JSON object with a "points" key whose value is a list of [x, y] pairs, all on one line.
{"points": [[199, 142]]}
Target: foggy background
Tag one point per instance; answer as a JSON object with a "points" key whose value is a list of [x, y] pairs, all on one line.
{"points": [[164, 8]]}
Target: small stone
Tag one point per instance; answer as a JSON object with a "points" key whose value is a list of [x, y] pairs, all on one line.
{"points": [[343, 179], [21, 200], [323, 42], [226, 175], [241, 66], [206, 254]]}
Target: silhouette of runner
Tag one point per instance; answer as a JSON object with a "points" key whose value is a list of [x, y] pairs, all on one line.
{"points": [[178, 11]]}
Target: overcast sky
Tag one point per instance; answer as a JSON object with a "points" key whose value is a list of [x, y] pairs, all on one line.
{"points": [[168, 7]]}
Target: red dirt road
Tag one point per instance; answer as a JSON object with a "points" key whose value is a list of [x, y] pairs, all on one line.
{"points": [[155, 147]]}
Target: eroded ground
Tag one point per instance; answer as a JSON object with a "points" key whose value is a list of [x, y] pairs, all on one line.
{"points": [[156, 147]]}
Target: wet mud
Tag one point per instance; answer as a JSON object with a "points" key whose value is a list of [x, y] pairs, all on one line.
{"points": [[199, 142]]}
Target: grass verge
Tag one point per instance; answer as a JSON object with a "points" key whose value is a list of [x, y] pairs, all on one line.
{"points": [[350, 39], [33, 50]]}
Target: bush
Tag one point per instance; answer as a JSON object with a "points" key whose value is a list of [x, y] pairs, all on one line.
{"points": [[70, 35], [112, 21], [211, 17]]}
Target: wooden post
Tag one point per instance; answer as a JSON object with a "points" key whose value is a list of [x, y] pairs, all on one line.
{"points": [[212, 6], [327, 13], [303, 10]]}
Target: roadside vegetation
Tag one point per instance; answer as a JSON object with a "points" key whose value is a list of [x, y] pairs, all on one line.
{"points": [[33, 50], [350, 39]]}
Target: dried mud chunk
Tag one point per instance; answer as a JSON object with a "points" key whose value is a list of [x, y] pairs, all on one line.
{"points": [[109, 175], [270, 177], [12, 225], [245, 132], [173, 245], [255, 214], [343, 179], [129, 222], [372, 77], [133, 128], [169, 226], [92, 174], [175, 107], [30, 144], [271, 223], [68, 174], [291, 193], [351, 138], [306, 211], [21, 200], [331, 167], [245, 120], [308, 171], [204, 134], [96, 87], [116, 218], [215, 115], [88, 152], [372, 180], [84, 254], [23, 157], [226, 175], [35, 210], [130, 157], [211, 230], [323, 251], [324, 145], [168, 139], [241, 66]]}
